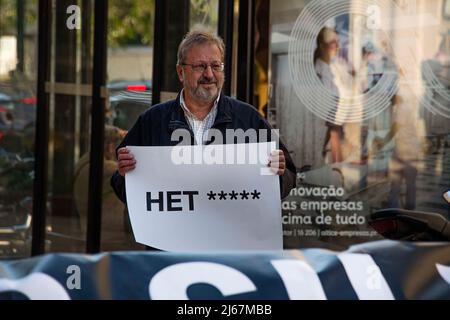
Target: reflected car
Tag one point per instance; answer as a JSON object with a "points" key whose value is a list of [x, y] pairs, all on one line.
{"points": [[6, 107], [128, 99], [17, 117], [17, 104]]}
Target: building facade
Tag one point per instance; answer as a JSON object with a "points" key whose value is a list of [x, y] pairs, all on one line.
{"points": [[360, 91]]}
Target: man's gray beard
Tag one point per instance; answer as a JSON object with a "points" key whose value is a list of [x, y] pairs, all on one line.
{"points": [[205, 95]]}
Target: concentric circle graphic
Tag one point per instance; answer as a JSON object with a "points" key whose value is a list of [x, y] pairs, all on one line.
{"points": [[437, 97], [317, 98]]}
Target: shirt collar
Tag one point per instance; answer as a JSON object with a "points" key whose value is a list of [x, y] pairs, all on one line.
{"points": [[188, 112]]}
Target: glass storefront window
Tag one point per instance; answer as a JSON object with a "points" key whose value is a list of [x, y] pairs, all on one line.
{"points": [[130, 69], [70, 103], [360, 93], [203, 14], [18, 44], [261, 57]]}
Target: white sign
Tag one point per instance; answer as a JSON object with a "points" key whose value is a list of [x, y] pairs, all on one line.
{"points": [[201, 206]]}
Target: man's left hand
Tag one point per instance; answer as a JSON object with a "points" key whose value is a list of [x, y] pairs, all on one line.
{"points": [[277, 162]]}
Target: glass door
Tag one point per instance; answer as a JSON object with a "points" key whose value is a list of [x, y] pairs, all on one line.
{"points": [[18, 77], [69, 89]]}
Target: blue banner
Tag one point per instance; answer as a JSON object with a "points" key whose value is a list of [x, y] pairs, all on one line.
{"points": [[370, 271]]}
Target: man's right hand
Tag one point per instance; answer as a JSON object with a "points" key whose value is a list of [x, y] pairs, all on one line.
{"points": [[126, 161]]}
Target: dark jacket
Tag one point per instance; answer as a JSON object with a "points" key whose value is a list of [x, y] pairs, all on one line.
{"points": [[155, 126]]}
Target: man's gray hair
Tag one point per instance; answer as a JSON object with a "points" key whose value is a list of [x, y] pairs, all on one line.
{"points": [[199, 37]]}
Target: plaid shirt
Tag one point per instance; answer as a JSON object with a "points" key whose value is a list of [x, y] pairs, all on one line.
{"points": [[200, 127]]}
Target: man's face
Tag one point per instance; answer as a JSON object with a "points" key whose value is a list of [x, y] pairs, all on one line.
{"points": [[203, 86]]}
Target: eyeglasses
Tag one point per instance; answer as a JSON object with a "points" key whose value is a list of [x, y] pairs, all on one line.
{"points": [[201, 67]]}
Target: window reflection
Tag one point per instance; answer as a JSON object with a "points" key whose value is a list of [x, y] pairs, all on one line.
{"points": [[393, 152], [18, 43], [203, 14], [130, 69]]}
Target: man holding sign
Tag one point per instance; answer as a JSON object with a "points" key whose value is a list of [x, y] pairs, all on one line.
{"points": [[199, 109]]}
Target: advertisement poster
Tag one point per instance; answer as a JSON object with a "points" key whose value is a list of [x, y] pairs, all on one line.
{"points": [[360, 93]]}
